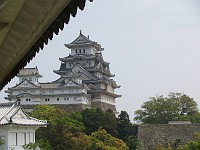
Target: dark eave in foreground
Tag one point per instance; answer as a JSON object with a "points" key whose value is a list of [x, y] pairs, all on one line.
{"points": [[53, 28]]}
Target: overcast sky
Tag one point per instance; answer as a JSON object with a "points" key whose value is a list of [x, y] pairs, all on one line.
{"points": [[153, 47]]}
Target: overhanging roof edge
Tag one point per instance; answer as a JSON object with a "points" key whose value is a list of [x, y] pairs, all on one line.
{"points": [[54, 27]]}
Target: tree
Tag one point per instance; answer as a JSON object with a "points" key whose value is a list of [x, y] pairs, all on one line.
{"points": [[93, 119], [161, 110], [127, 131], [60, 124], [101, 140]]}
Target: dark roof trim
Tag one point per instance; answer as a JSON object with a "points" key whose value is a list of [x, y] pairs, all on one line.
{"points": [[57, 24]]}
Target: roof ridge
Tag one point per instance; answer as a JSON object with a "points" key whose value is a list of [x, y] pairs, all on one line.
{"points": [[4, 115]]}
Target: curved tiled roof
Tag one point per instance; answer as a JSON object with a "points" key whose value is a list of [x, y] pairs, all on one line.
{"points": [[53, 28], [11, 113]]}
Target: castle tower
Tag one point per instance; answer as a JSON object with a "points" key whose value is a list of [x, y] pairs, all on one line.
{"points": [[85, 81], [86, 59]]}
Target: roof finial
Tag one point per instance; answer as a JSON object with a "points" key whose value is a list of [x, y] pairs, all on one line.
{"points": [[80, 32], [88, 37]]}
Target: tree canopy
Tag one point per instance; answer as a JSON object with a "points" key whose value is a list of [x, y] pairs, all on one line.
{"points": [[92, 129], [161, 110]]}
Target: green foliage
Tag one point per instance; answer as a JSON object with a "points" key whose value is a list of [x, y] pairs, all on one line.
{"points": [[127, 131], [93, 119], [54, 136], [192, 145], [168, 146], [30, 146], [67, 131], [161, 110], [1, 142], [131, 142], [101, 140]]}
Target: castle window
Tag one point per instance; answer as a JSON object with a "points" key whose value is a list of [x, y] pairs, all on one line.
{"points": [[79, 50], [83, 50], [27, 99], [68, 98], [76, 50], [64, 98], [48, 99], [13, 138], [74, 98], [57, 99]]}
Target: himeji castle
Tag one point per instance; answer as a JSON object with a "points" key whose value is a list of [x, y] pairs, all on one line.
{"points": [[85, 81]]}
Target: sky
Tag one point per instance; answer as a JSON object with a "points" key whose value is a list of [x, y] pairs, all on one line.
{"points": [[153, 47]]}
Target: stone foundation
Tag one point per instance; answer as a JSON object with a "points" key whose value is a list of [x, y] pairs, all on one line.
{"points": [[68, 108], [72, 107], [150, 136], [75, 107], [103, 106]]}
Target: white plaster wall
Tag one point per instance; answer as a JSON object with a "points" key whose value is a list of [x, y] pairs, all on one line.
{"points": [[103, 86], [94, 50], [110, 88], [33, 100], [24, 135], [106, 98], [67, 99]]}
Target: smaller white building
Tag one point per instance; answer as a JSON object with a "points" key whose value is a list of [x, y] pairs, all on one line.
{"points": [[16, 127]]}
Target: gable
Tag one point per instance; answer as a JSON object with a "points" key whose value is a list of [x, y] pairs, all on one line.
{"points": [[81, 39], [71, 75], [19, 115], [25, 84], [71, 83], [81, 71]]}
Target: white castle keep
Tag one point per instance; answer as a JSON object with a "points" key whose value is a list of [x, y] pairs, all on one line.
{"points": [[85, 81]]}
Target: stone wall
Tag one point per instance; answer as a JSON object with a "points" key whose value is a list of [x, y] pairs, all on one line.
{"points": [[75, 107], [72, 107], [150, 136], [68, 108], [103, 106]]}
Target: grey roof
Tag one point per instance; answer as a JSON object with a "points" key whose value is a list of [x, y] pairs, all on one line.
{"points": [[50, 85], [12, 113], [82, 40], [23, 82], [29, 71]]}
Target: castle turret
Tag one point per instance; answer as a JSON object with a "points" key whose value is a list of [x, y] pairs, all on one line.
{"points": [[88, 55], [29, 74]]}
